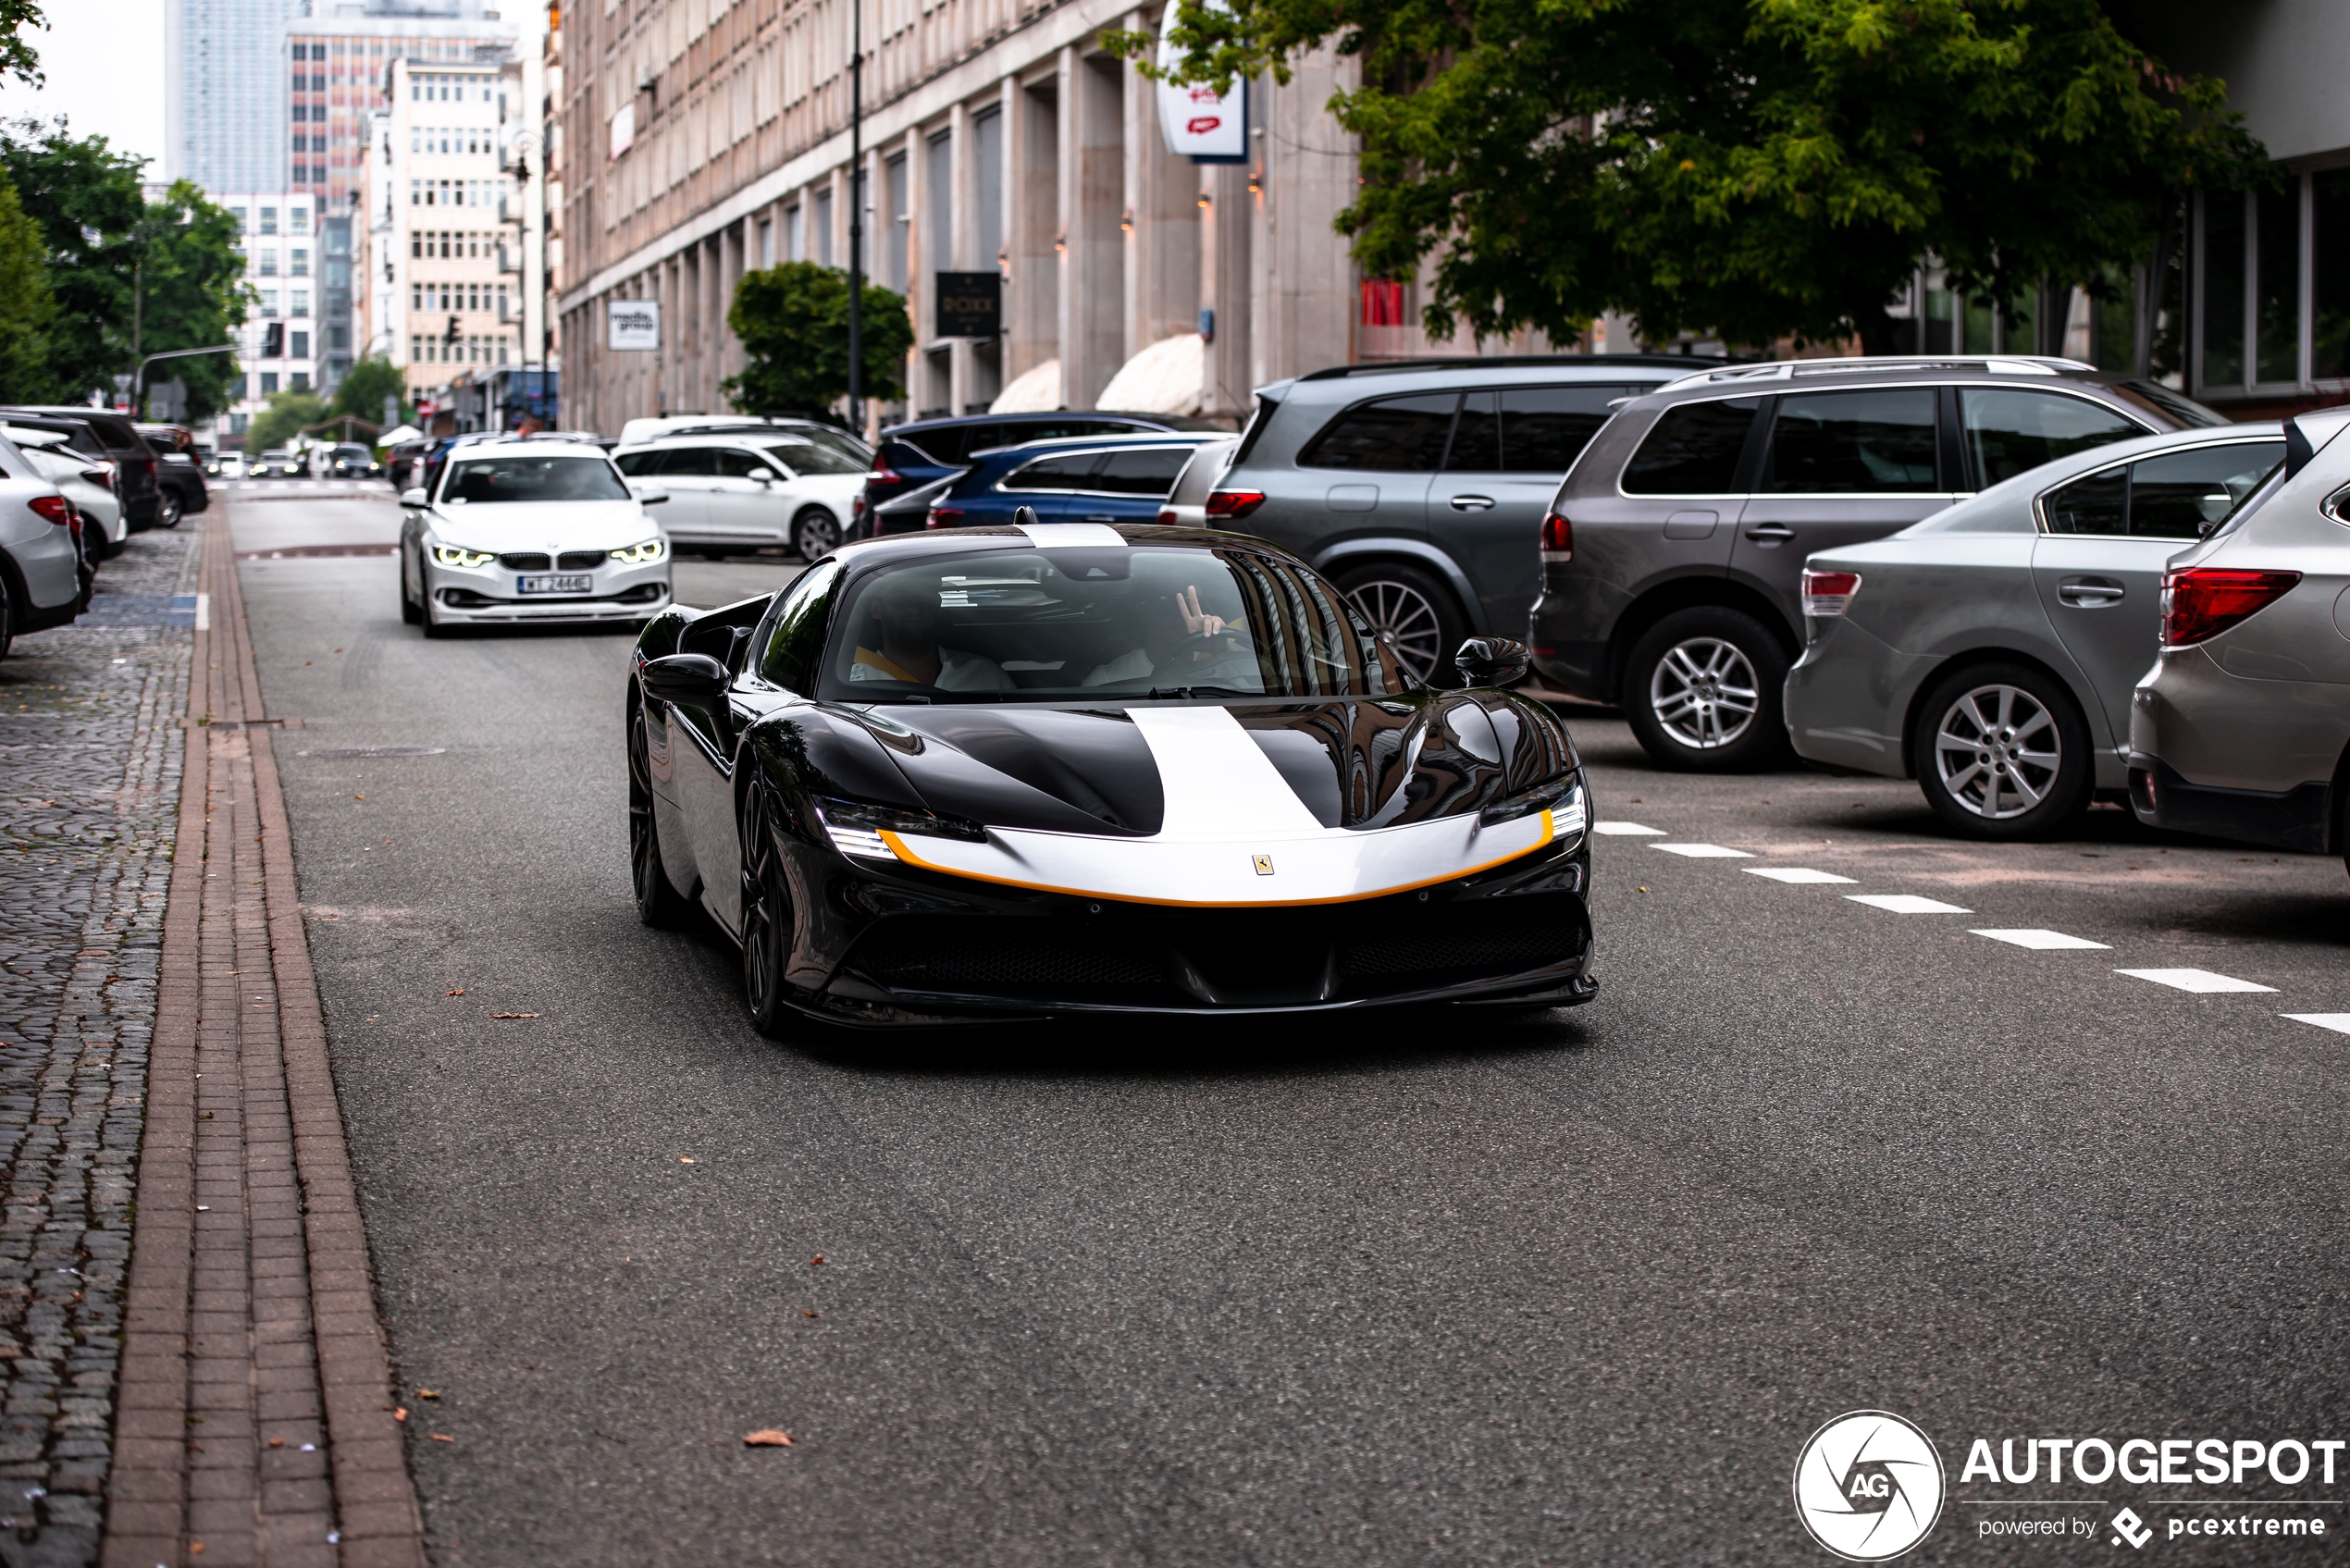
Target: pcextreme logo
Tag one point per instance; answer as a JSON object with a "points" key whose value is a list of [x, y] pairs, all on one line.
{"points": [[1868, 1486]]}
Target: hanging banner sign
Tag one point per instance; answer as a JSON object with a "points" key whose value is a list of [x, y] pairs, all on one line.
{"points": [[630, 324], [1199, 123]]}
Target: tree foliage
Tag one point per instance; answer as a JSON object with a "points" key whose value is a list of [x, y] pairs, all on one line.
{"points": [[793, 320], [87, 199], [288, 415], [366, 384], [191, 295], [26, 305], [17, 57], [1756, 168]]}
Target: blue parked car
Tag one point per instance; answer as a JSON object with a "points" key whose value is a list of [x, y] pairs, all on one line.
{"points": [[915, 455], [1075, 479]]}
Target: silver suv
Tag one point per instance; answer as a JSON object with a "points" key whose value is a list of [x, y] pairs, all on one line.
{"points": [[1420, 487], [1673, 556]]}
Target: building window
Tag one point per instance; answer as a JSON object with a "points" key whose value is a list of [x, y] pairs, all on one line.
{"points": [[299, 381], [2272, 272], [301, 349], [299, 265], [268, 382], [244, 224], [301, 303], [824, 227], [795, 235], [766, 242], [270, 220], [297, 220], [269, 261], [268, 301]]}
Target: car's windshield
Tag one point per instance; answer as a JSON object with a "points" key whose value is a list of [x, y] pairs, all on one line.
{"points": [[1112, 622], [806, 457], [539, 477]]}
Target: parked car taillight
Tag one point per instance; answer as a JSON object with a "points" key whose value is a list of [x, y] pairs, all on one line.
{"points": [[1829, 593], [2199, 602], [1558, 539], [57, 509], [944, 517], [1166, 516], [1233, 505]]}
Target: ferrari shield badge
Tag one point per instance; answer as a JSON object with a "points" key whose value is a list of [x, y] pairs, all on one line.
{"points": [[1263, 865]]}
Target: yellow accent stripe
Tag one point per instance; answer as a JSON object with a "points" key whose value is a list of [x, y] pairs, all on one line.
{"points": [[907, 854]]}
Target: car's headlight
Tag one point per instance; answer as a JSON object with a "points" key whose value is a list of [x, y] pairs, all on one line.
{"points": [[855, 827], [458, 555], [1563, 797], [641, 555]]}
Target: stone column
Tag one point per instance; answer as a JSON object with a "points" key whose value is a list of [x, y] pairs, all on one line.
{"points": [[1306, 299], [1163, 249], [1225, 288], [954, 254], [1093, 184], [1032, 224]]}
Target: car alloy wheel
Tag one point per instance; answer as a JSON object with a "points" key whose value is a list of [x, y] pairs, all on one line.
{"points": [[658, 904], [1997, 752], [767, 919], [410, 614], [168, 509], [1705, 694], [814, 532]]}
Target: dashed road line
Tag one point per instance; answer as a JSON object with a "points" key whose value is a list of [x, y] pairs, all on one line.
{"points": [[2338, 1022], [2198, 981], [2041, 941], [1906, 903], [1793, 874], [1703, 851], [1626, 828]]}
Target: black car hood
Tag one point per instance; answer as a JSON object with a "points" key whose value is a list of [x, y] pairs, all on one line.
{"points": [[1358, 762]]}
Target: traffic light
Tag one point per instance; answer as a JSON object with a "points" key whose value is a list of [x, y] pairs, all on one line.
{"points": [[273, 341], [452, 335]]}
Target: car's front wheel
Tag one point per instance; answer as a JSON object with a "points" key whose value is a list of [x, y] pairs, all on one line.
{"points": [[2003, 752], [169, 508], [767, 919], [409, 613], [814, 532], [658, 903], [1703, 692]]}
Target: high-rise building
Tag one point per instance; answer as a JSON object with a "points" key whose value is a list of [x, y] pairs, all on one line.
{"points": [[281, 240], [337, 63], [225, 93]]}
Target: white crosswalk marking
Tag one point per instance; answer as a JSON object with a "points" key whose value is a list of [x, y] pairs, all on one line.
{"points": [[2338, 1022], [2040, 941], [2199, 981], [1792, 874], [1906, 903], [1626, 828], [1703, 851]]}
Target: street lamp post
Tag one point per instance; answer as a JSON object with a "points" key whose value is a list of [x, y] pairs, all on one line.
{"points": [[857, 213]]}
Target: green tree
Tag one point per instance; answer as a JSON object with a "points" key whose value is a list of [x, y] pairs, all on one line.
{"points": [[1753, 167], [26, 306], [190, 288], [793, 320], [87, 199], [365, 386], [17, 57], [288, 415]]}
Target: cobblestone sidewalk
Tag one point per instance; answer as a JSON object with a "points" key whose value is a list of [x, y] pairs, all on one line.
{"points": [[90, 764]]}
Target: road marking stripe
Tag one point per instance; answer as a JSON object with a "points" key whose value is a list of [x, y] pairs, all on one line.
{"points": [[1906, 903], [2338, 1022], [2201, 980], [1703, 851], [1627, 827], [1792, 874], [2041, 941]]}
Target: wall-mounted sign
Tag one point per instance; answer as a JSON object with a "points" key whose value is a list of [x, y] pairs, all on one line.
{"points": [[632, 324], [624, 129], [1200, 123], [970, 305]]}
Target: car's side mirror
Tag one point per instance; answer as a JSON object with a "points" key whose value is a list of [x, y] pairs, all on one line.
{"points": [[650, 495], [414, 498], [696, 679], [1493, 661]]}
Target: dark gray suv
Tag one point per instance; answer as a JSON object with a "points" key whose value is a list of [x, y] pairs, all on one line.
{"points": [[1419, 488], [1672, 555]]}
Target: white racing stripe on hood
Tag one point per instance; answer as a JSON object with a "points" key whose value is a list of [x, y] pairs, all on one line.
{"points": [[1073, 535], [1217, 782]]}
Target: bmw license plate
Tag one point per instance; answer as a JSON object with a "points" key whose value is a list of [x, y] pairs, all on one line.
{"points": [[570, 583]]}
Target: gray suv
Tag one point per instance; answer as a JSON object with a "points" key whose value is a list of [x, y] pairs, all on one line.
{"points": [[1672, 555], [1419, 488]]}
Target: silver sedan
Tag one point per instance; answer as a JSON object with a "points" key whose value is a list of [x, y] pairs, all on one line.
{"points": [[2242, 729], [1989, 652]]}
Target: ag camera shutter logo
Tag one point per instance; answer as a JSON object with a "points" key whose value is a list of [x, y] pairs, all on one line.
{"points": [[1869, 1486]]}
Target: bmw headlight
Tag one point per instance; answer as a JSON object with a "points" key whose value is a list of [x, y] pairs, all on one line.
{"points": [[1563, 797], [641, 555], [458, 555], [856, 827]]}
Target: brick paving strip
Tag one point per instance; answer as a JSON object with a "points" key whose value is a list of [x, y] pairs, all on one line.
{"points": [[254, 1415]]}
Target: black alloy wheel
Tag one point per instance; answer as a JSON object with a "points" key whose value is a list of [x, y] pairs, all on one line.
{"points": [[1703, 692], [1413, 614], [2003, 752], [169, 508], [658, 904], [814, 532], [767, 919]]}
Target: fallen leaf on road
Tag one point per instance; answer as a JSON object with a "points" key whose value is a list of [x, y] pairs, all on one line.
{"points": [[276, 1442], [427, 1393], [805, 1313], [440, 1436], [534, 1015], [768, 1439], [400, 1414], [459, 992], [818, 1258], [358, 797], [685, 1159]]}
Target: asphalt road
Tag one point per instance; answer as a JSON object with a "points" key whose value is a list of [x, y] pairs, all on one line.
{"points": [[1569, 1287]]}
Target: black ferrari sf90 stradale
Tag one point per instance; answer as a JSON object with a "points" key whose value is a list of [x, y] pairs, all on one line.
{"points": [[1068, 769]]}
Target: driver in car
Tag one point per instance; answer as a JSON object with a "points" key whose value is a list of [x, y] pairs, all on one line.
{"points": [[906, 614], [1161, 641]]}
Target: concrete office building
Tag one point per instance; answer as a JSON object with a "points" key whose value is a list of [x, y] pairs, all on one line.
{"points": [[336, 66], [280, 344], [700, 138], [224, 100]]}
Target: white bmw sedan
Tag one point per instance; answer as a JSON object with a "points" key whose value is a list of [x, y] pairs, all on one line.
{"points": [[509, 532]]}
